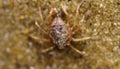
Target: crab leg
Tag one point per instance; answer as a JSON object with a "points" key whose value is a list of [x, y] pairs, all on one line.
{"points": [[41, 42], [76, 50], [82, 39], [79, 5], [77, 11], [48, 49], [36, 23], [41, 17], [37, 39]]}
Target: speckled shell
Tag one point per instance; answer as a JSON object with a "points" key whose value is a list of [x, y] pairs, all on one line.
{"points": [[60, 32]]}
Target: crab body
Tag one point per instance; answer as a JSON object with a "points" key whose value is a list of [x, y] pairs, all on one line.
{"points": [[60, 33]]}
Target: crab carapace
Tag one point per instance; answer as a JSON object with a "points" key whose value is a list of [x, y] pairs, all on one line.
{"points": [[60, 32]]}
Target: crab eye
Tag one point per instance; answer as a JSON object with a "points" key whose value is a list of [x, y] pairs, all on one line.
{"points": [[60, 28]]}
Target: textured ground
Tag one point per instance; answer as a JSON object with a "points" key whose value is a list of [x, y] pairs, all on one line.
{"points": [[102, 24]]}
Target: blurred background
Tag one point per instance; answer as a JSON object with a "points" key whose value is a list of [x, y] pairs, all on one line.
{"points": [[99, 19]]}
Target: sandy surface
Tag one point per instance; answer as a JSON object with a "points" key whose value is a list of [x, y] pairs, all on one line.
{"points": [[102, 23]]}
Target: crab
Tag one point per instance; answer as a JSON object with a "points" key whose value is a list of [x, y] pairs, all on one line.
{"points": [[59, 33]]}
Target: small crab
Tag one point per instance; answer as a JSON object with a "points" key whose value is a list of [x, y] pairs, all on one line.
{"points": [[59, 32]]}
